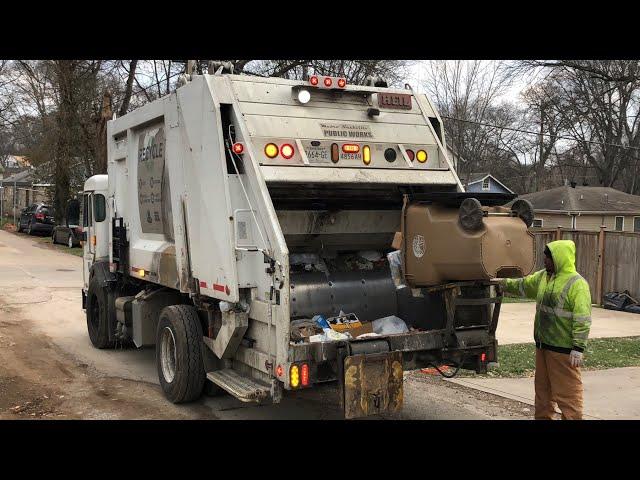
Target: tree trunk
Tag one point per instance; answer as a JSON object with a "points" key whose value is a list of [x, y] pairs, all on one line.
{"points": [[101, 140]]}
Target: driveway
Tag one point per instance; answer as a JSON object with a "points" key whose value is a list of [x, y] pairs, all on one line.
{"points": [[516, 323]]}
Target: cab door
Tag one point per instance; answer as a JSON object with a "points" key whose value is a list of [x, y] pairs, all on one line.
{"points": [[87, 228]]}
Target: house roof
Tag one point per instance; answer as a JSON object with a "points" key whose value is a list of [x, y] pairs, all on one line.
{"points": [[479, 177], [583, 199], [22, 178]]}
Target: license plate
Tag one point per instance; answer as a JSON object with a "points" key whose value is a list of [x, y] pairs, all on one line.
{"points": [[318, 154], [372, 384]]}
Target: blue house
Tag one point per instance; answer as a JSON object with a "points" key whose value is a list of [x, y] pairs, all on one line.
{"points": [[484, 182]]}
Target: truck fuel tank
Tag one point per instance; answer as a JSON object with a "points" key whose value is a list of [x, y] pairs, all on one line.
{"points": [[442, 243]]}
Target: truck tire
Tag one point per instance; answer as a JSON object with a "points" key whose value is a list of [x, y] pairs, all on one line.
{"points": [[98, 312], [179, 353]]}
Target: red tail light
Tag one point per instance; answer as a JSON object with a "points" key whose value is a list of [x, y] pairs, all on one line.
{"points": [[342, 83], [411, 155], [287, 151], [327, 81], [304, 374], [483, 357], [39, 216], [238, 148], [313, 80]]}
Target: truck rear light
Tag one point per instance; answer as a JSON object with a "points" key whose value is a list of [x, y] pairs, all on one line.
{"points": [[350, 148], [39, 216], [342, 83], [304, 374], [238, 148], [271, 150], [483, 357], [411, 155], [421, 156], [287, 151], [313, 80], [335, 153], [279, 371], [366, 155], [328, 81], [294, 376]]}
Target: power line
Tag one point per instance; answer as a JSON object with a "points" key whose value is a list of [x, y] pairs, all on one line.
{"points": [[561, 137]]}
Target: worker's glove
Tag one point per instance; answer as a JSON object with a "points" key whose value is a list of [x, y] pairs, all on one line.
{"points": [[576, 358]]}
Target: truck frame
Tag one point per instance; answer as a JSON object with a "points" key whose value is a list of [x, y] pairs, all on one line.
{"points": [[216, 190]]}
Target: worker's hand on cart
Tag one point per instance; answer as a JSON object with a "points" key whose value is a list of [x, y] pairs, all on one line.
{"points": [[576, 358]]}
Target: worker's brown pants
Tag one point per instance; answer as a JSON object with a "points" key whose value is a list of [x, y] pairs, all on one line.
{"points": [[557, 381]]}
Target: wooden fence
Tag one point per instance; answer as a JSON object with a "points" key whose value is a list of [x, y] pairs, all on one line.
{"points": [[609, 261]]}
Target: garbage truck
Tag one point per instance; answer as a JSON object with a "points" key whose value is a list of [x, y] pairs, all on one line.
{"points": [[247, 227]]}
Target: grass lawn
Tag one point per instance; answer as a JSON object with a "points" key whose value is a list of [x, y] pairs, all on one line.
{"points": [[518, 360], [506, 299]]}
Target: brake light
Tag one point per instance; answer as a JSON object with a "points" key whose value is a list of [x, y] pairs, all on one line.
{"points": [[313, 80], [294, 376], [304, 374], [411, 155], [238, 148], [421, 156], [287, 151], [39, 216], [342, 83], [350, 148], [279, 371], [328, 81], [271, 150], [483, 357], [335, 153], [366, 155]]}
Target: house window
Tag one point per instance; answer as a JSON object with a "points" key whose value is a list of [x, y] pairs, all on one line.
{"points": [[485, 184], [619, 224], [537, 223], [636, 224]]}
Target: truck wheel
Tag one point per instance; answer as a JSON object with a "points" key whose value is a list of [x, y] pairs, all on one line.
{"points": [[179, 353], [98, 313]]}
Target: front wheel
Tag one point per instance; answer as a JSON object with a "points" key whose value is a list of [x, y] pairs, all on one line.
{"points": [[98, 313], [179, 353]]}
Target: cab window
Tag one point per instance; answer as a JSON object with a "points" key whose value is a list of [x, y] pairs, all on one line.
{"points": [[99, 207]]}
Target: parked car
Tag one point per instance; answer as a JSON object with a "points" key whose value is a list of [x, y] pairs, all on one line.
{"points": [[71, 232], [37, 218]]}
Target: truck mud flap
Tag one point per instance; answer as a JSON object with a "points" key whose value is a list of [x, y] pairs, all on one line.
{"points": [[372, 384]]}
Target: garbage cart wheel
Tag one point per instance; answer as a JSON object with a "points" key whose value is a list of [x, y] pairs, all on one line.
{"points": [[470, 214], [523, 209], [98, 312], [179, 353]]}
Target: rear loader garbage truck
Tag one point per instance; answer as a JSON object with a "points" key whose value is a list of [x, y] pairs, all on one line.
{"points": [[268, 235]]}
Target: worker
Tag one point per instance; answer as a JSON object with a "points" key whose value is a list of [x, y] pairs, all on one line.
{"points": [[561, 328]]}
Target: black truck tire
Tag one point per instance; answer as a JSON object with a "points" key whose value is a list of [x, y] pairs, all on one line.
{"points": [[98, 311], [179, 354]]}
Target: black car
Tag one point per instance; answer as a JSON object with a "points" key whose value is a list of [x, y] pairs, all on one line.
{"points": [[70, 233], [37, 218]]}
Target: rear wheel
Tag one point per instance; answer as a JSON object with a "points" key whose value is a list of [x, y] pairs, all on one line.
{"points": [[179, 353]]}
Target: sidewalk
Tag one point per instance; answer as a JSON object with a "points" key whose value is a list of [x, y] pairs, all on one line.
{"points": [[516, 323], [612, 394]]}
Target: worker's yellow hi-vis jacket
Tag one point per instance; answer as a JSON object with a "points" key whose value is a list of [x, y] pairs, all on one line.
{"points": [[563, 301]]}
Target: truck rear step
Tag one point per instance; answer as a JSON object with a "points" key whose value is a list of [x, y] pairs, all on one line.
{"points": [[243, 388]]}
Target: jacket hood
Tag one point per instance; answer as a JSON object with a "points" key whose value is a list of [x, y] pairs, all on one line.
{"points": [[563, 253]]}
